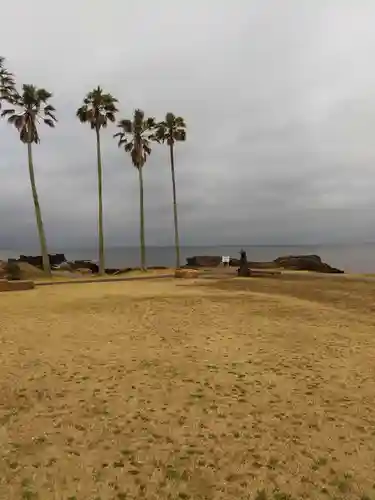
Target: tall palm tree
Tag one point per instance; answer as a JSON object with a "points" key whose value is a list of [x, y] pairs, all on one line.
{"points": [[97, 110], [170, 131], [31, 106], [7, 83], [135, 136]]}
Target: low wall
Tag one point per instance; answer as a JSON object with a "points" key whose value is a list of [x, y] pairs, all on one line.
{"points": [[13, 286]]}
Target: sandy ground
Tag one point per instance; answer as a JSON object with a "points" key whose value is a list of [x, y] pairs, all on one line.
{"points": [[209, 389]]}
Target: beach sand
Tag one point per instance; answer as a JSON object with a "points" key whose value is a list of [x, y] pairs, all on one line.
{"points": [[204, 389]]}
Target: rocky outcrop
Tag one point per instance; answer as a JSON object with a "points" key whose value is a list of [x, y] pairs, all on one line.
{"points": [[306, 263], [292, 262], [37, 260], [203, 261]]}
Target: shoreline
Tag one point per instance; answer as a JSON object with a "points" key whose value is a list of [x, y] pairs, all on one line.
{"points": [[352, 258]]}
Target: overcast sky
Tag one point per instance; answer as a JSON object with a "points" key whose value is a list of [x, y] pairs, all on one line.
{"points": [[278, 96]]}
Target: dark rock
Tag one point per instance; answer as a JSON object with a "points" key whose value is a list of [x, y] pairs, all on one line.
{"points": [[292, 262], [64, 266], [204, 261], [243, 271], [113, 271], [306, 263], [37, 260]]}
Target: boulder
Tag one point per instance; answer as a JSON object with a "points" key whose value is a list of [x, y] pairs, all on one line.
{"points": [[64, 266], [37, 260], [186, 273], [306, 263]]}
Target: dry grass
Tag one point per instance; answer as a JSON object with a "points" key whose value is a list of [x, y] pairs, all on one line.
{"points": [[204, 390], [76, 276]]}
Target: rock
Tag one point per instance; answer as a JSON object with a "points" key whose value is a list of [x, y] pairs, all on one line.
{"points": [[113, 271], [29, 272], [37, 260], [85, 264], [306, 263], [295, 262], [204, 261], [84, 270], [64, 266], [186, 273]]}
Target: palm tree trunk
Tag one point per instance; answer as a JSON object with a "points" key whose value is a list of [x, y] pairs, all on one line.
{"points": [[176, 236], [100, 208], [142, 220], [38, 214]]}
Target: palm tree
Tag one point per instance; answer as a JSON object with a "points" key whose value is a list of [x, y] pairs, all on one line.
{"points": [[7, 83], [170, 131], [98, 109], [135, 136], [31, 106]]}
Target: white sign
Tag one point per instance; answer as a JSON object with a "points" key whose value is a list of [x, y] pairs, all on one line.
{"points": [[225, 259]]}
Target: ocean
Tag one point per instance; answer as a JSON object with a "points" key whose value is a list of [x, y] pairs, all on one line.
{"points": [[350, 258]]}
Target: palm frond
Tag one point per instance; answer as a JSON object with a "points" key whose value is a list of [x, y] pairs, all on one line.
{"points": [[161, 132], [180, 135], [129, 146], [146, 148], [126, 125], [82, 113], [170, 119], [111, 117], [150, 124], [180, 122], [7, 83], [49, 122], [7, 112], [43, 95]]}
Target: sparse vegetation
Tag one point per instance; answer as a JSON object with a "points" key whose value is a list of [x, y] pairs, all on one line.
{"points": [[222, 389]]}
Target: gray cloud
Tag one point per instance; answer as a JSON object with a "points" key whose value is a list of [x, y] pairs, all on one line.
{"points": [[278, 96]]}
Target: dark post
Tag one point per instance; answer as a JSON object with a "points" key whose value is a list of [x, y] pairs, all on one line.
{"points": [[243, 270]]}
